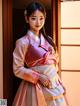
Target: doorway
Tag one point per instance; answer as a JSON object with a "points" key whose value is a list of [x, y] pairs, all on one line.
{"points": [[13, 23], [19, 26]]}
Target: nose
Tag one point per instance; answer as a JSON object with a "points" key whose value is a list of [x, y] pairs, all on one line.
{"points": [[38, 22]]}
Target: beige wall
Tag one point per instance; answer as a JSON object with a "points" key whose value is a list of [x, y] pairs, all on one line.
{"points": [[70, 54], [1, 53], [72, 82]]}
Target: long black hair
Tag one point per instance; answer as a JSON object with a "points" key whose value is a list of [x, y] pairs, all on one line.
{"points": [[31, 8]]}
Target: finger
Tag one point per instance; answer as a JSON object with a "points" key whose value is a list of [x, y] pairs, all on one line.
{"points": [[46, 82], [46, 85]]}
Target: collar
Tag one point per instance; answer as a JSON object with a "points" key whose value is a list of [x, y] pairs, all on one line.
{"points": [[44, 43], [33, 36], [40, 39]]}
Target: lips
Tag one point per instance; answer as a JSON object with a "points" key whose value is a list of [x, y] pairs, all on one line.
{"points": [[37, 25]]}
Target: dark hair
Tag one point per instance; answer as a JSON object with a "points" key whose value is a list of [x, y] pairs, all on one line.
{"points": [[31, 8]]}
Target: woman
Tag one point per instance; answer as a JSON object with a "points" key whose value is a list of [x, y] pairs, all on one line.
{"points": [[35, 61]]}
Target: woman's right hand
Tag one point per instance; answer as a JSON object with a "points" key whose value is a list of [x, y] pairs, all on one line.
{"points": [[44, 80]]}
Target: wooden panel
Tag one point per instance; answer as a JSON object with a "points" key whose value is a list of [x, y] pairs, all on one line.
{"points": [[70, 14], [7, 51], [70, 36], [70, 58], [1, 53], [71, 81]]}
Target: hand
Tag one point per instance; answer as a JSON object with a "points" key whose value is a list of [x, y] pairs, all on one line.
{"points": [[44, 80]]}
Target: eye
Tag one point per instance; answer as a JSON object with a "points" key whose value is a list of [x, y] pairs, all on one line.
{"points": [[41, 18], [33, 18]]}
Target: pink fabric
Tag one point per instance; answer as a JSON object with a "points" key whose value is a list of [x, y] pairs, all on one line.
{"points": [[39, 57]]}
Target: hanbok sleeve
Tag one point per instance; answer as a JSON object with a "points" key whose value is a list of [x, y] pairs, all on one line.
{"points": [[18, 64]]}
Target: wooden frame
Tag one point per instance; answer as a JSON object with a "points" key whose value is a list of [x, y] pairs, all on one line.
{"points": [[57, 28], [59, 32], [7, 50]]}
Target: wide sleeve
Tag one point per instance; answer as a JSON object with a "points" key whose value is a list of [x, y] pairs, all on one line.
{"points": [[18, 63]]}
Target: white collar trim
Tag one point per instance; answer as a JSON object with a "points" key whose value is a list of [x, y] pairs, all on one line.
{"points": [[35, 37]]}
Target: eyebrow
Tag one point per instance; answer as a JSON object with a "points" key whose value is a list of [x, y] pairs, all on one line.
{"points": [[36, 16]]}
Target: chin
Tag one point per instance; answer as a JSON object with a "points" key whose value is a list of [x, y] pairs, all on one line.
{"points": [[37, 29]]}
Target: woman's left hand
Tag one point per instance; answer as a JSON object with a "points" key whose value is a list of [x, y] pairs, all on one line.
{"points": [[44, 80]]}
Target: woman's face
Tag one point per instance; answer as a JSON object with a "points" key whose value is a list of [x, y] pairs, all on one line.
{"points": [[36, 21]]}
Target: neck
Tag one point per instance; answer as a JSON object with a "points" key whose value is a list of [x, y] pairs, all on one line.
{"points": [[35, 32]]}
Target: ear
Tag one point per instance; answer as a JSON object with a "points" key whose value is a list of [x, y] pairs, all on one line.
{"points": [[26, 19]]}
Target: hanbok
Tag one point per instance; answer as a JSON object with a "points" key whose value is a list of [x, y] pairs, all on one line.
{"points": [[33, 56]]}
